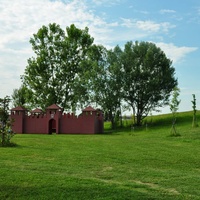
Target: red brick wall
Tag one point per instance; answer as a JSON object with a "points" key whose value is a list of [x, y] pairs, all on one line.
{"points": [[86, 123], [81, 124], [35, 124]]}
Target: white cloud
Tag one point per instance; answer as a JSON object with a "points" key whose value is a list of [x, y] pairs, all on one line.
{"points": [[27, 16], [153, 26], [175, 53], [19, 19], [106, 2], [166, 11], [148, 25]]}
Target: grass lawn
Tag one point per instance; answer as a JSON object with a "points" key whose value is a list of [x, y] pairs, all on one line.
{"points": [[126, 164]]}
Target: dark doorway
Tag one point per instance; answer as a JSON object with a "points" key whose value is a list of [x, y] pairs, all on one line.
{"points": [[52, 126]]}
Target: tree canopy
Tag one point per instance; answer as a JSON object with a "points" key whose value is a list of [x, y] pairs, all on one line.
{"points": [[19, 96], [105, 80], [52, 75], [69, 70], [148, 78]]}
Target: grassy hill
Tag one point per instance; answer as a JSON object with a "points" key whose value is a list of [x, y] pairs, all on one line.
{"points": [[144, 163]]}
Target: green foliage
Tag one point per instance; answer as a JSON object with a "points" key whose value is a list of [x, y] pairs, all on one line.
{"points": [[20, 97], [174, 105], [54, 74], [194, 121], [105, 81], [69, 70], [6, 136], [5, 125], [148, 78]]}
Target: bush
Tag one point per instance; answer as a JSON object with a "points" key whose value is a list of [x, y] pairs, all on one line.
{"points": [[5, 124], [6, 134]]}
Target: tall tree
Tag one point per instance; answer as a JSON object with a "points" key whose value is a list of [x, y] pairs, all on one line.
{"points": [[105, 79], [52, 75], [148, 78]]}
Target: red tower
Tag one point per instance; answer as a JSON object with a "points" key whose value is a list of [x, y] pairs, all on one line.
{"points": [[53, 113], [18, 115]]}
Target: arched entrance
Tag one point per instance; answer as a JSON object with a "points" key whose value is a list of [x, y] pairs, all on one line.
{"points": [[52, 126]]}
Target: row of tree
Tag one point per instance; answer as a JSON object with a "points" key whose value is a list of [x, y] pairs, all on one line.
{"points": [[70, 70]]}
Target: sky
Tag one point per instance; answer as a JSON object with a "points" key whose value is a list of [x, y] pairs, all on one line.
{"points": [[173, 25]]}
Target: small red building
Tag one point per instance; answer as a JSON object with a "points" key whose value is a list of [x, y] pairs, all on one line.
{"points": [[90, 121]]}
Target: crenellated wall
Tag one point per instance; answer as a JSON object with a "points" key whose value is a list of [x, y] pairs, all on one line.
{"points": [[85, 123], [54, 120]]}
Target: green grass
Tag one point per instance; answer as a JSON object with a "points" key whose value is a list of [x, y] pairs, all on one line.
{"points": [[125, 164]]}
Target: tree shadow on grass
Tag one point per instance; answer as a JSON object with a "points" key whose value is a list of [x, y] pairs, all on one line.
{"points": [[80, 189]]}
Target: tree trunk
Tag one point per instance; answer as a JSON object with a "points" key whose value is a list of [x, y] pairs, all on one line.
{"points": [[138, 120], [133, 114], [111, 120]]}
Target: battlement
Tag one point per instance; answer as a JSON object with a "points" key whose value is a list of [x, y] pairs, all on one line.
{"points": [[37, 116]]}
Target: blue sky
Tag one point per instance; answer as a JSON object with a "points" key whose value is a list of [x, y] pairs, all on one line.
{"points": [[173, 25]]}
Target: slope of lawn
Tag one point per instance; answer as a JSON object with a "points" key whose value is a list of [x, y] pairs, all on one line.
{"points": [[144, 163]]}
